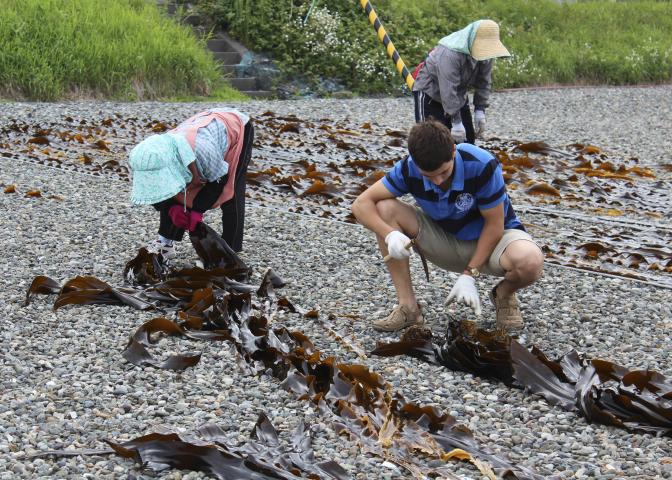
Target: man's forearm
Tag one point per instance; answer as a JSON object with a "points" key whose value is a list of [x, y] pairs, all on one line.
{"points": [[490, 237]]}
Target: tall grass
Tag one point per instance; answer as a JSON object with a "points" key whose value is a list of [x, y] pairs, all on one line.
{"points": [[124, 49], [591, 42]]}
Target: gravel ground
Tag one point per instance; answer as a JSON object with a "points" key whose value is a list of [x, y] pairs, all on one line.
{"points": [[65, 385]]}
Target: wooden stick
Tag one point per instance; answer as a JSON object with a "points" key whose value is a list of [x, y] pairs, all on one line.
{"points": [[389, 257]]}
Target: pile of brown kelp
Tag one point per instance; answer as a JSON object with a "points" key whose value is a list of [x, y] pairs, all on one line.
{"points": [[221, 305], [600, 391]]}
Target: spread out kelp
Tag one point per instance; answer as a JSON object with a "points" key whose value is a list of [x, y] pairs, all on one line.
{"points": [[220, 305], [317, 167]]}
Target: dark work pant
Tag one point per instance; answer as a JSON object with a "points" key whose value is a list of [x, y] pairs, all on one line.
{"points": [[233, 211], [167, 228], [426, 109], [206, 197]]}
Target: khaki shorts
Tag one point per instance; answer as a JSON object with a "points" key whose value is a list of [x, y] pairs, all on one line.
{"points": [[449, 253]]}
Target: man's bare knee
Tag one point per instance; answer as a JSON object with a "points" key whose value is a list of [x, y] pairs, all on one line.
{"points": [[530, 266], [538, 265], [524, 261]]}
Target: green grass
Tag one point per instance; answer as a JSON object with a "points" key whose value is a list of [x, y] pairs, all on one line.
{"points": [[585, 42], [591, 42], [116, 49], [223, 93]]}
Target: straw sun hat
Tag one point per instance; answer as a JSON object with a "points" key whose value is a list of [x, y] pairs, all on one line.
{"points": [[486, 43]]}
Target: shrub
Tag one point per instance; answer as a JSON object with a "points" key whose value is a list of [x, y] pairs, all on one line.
{"points": [[579, 42]]}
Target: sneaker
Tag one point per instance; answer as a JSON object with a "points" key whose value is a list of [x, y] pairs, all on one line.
{"points": [[508, 313], [401, 317], [167, 252]]}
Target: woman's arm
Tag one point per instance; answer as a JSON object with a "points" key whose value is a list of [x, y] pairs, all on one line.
{"points": [[196, 180]]}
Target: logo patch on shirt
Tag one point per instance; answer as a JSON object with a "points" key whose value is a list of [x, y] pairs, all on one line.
{"points": [[464, 202]]}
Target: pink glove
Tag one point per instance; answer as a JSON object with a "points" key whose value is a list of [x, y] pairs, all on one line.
{"points": [[194, 219], [179, 217], [187, 220]]}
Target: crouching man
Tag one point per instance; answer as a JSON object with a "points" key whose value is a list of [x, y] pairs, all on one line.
{"points": [[464, 223]]}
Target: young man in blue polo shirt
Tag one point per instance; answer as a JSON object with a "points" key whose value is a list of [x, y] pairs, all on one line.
{"points": [[464, 223]]}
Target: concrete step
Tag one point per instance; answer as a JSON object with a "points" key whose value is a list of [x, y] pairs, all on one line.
{"points": [[228, 70], [227, 58], [243, 84], [259, 93], [220, 45], [226, 51], [193, 19]]}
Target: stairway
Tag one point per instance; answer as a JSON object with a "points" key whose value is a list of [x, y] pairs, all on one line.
{"points": [[229, 54]]}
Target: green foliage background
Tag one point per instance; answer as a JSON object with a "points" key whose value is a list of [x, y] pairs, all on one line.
{"points": [[126, 49], [592, 42], [53, 49]]}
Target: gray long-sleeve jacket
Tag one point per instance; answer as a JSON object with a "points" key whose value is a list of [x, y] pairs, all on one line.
{"points": [[446, 77]]}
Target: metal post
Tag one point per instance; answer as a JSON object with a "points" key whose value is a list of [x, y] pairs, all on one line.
{"points": [[389, 46]]}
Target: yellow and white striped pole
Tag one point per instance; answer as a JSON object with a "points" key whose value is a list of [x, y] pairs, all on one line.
{"points": [[389, 46]]}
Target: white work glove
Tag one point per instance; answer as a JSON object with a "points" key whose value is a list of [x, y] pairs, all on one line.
{"points": [[396, 245], [465, 291], [458, 133], [479, 123]]}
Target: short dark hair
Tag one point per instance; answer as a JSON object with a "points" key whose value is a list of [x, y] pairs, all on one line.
{"points": [[430, 145]]}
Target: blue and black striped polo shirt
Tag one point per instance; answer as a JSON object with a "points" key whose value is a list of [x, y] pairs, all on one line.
{"points": [[477, 184]]}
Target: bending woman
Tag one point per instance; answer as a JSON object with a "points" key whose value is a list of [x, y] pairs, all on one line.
{"points": [[198, 166]]}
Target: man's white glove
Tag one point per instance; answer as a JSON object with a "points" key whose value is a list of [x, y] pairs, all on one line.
{"points": [[479, 123], [396, 245], [458, 133], [465, 291]]}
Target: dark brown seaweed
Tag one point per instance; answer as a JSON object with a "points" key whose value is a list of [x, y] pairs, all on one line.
{"points": [[598, 390], [214, 251], [210, 307], [145, 269], [42, 285], [261, 457]]}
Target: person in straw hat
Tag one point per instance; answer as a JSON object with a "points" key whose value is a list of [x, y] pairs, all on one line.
{"points": [[198, 166], [461, 60]]}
